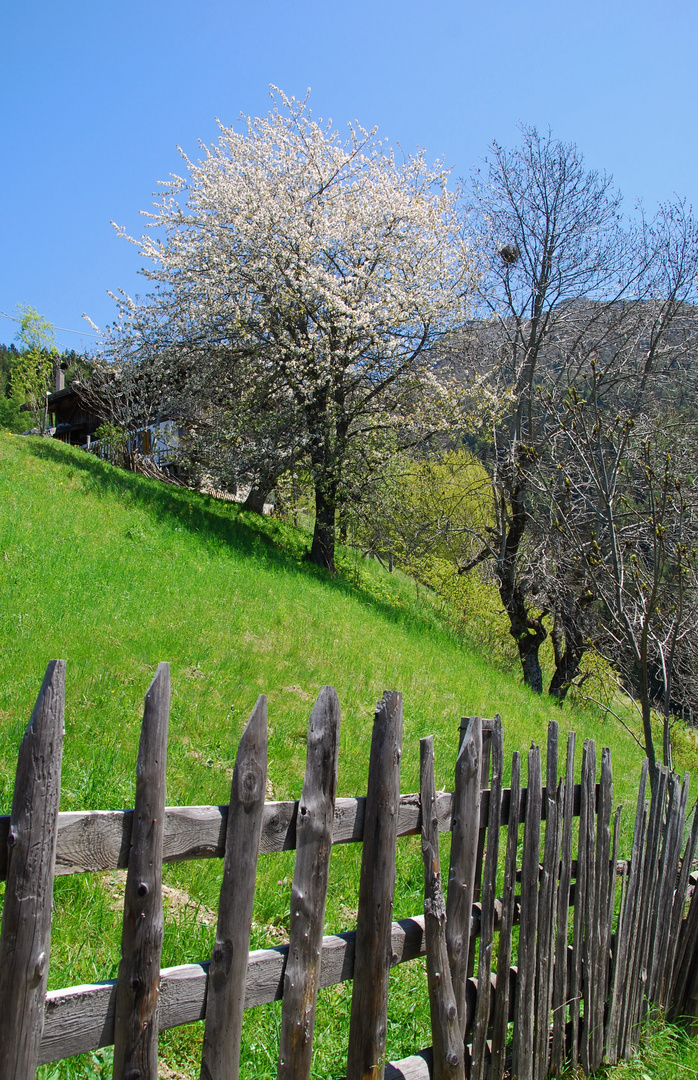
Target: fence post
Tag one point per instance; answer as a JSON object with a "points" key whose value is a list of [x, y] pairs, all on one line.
{"points": [[448, 1048], [135, 1022], [560, 982], [502, 997], [489, 892], [524, 1020], [309, 892], [373, 951], [465, 831], [227, 973], [25, 943]]}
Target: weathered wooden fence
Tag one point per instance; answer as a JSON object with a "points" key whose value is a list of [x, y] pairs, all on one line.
{"points": [[584, 946]]}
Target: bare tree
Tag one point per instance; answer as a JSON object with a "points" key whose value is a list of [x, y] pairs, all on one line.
{"points": [[556, 260]]}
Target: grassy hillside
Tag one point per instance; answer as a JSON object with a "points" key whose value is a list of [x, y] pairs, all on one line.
{"points": [[115, 572]]}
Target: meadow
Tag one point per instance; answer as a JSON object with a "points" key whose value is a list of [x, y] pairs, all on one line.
{"points": [[114, 573]]}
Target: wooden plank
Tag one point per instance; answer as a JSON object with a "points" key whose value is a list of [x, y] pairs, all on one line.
{"points": [[557, 1053], [575, 994], [487, 729], [228, 968], [25, 942], [611, 940], [675, 901], [447, 1041], [612, 1020], [501, 1005], [589, 990], [309, 892], [96, 840], [675, 959], [668, 874], [547, 904], [81, 1018], [624, 1047], [523, 1049], [602, 918], [461, 878], [646, 927], [489, 892], [625, 933], [135, 1022], [369, 1000]]}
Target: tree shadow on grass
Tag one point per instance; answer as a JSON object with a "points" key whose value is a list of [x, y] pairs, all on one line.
{"points": [[217, 522]]}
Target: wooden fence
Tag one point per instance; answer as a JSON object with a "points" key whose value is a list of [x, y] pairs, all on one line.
{"points": [[584, 946]]}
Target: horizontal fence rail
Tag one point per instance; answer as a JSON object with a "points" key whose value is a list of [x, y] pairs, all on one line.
{"points": [[601, 939], [96, 840]]}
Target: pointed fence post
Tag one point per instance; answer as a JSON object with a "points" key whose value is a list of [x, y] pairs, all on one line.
{"points": [[465, 833], [135, 1022], [447, 1041], [373, 950], [227, 973], [309, 892], [25, 943]]}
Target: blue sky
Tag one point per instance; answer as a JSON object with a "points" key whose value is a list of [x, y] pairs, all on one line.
{"points": [[95, 97]]}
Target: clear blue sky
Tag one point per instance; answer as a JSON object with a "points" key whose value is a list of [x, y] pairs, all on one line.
{"points": [[96, 96]]}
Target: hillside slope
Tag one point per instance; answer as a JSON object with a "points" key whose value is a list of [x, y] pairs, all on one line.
{"points": [[115, 573]]}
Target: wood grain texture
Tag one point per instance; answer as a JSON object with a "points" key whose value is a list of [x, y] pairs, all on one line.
{"points": [[369, 1002], [96, 840], [508, 911], [81, 1018], [586, 822], [678, 924], [524, 1023], [25, 943], [447, 1040], [602, 917], [628, 996], [627, 931], [489, 887], [612, 941], [309, 891], [666, 883], [547, 904], [669, 888], [559, 1003], [465, 831], [638, 979], [135, 1022], [228, 968], [587, 837]]}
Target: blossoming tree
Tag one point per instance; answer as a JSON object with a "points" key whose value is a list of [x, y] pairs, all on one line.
{"points": [[318, 268]]}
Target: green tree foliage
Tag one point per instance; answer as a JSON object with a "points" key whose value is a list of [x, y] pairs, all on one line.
{"points": [[34, 364], [10, 403], [423, 515]]}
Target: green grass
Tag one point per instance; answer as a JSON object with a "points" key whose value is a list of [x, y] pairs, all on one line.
{"points": [[115, 573]]}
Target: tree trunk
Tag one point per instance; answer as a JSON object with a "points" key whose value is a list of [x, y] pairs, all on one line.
{"points": [[527, 631], [568, 647], [529, 634], [255, 500], [322, 549], [529, 644]]}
